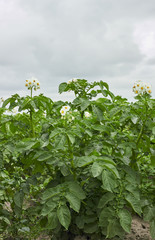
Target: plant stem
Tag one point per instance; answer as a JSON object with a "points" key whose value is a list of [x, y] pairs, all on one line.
{"points": [[134, 155], [71, 156], [31, 118], [143, 125], [31, 92], [31, 121], [140, 133]]}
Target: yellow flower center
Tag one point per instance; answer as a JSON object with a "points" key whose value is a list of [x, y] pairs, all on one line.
{"points": [[136, 91], [37, 83], [30, 83], [149, 91], [142, 88], [137, 85], [27, 80], [26, 85]]}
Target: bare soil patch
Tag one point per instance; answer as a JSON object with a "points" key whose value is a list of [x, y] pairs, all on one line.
{"points": [[139, 231]]}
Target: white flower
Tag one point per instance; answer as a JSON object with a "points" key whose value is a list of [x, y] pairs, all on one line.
{"points": [[32, 83], [148, 88], [63, 112], [66, 108], [72, 118], [74, 79], [15, 110], [141, 87], [87, 114], [69, 82]]}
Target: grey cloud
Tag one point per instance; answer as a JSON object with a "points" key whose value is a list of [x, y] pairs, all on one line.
{"points": [[57, 40]]}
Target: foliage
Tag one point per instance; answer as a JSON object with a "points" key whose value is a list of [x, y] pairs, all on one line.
{"points": [[79, 173]]}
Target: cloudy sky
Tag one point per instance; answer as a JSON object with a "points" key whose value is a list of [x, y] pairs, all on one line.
{"points": [[56, 40]]}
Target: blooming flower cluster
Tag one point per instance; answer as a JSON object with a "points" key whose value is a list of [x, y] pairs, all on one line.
{"points": [[72, 80], [32, 83], [87, 114], [140, 87], [66, 114], [64, 110]]}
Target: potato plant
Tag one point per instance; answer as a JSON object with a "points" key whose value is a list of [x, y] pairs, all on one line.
{"points": [[76, 168]]}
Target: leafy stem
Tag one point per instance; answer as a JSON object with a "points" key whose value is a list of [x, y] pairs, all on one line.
{"points": [[71, 157], [140, 133], [31, 118], [143, 125], [134, 155]]}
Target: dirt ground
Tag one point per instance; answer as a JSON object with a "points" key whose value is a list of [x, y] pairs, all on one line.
{"points": [[139, 231]]}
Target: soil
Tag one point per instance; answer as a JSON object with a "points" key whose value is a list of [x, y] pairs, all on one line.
{"points": [[139, 231]]}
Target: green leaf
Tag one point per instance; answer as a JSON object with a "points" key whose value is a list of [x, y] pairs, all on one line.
{"points": [[24, 230], [44, 156], [18, 199], [52, 220], [80, 221], [48, 207], [89, 132], [27, 144], [71, 138], [104, 84], [77, 190], [112, 168], [51, 192], [84, 161], [152, 160], [74, 201], [107, 197], [98, 112], [54, 133], [134, 119], [91, 227], [5, 103], [101, 128], [135, 203], [152, 229], [153, 130], [64, 170], [125, 219], [1, 159], [149, 213], [64, 216], [114, 229], [6, 220], [106, 160], [62, 87], [106, 213], [84, 104], [60, 142], [108, 181], [134, 190], [96, 169]]}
